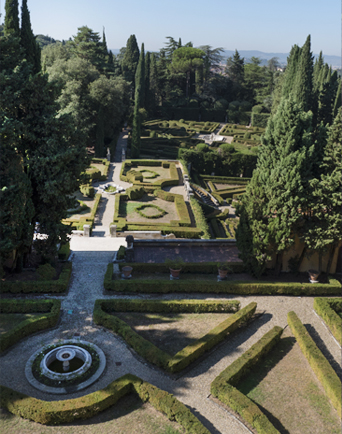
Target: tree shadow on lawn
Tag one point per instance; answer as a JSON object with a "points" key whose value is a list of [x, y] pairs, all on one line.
{"points": [[228, 346], [171, 339], [260, 371], [322, 346]]}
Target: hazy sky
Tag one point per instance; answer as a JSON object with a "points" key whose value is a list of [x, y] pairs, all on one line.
{"points": [[264, 25]]}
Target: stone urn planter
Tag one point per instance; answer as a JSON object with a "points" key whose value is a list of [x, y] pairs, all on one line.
{"points": [[222, 274], [175, 273], [175, 266], [126, 272], [223, 270], [313, 275]]}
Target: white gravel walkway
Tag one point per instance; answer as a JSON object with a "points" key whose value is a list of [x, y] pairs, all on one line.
{"points": [[90, 260]]}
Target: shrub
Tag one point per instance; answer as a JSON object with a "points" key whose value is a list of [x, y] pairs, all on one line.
{"points": [[87, 190], [319, 364], [247, 135], [49, 310], [64, 252], [135, 192], [140, 210], [223, 385], [327, 308], [202, 147], [46, 272]]}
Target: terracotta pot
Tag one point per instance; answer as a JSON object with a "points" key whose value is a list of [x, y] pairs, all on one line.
{"points": [[127, 271], [313, 275], [175, 273], [222, 273]]}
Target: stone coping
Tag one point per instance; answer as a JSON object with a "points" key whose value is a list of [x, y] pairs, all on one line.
{"points": [[68, 389]]}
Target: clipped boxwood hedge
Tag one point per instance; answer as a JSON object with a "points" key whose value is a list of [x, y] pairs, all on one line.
{"points": [[152, 353], [164, 285], [327, 308], [319, 364], [69, 410], [80, 222], [223, 385], [40, 286], [49, 310]]}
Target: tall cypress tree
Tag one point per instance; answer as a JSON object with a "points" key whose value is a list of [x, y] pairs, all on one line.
{"points": [[276, 198], [303, 84], [153, 84], [12, 18], [139, 102], [130, 60], [147, 81], [27, 39]]}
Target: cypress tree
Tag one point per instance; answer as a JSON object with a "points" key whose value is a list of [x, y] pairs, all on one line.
{"points": [[153, 84], [277, 195], [303, 82], [27, 39], [139, 101], [130, 60], [11, 26], [338, 100], [147, 81]]}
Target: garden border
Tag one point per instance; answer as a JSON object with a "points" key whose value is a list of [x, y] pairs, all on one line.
{"points": [[39, 286], [57, 412], [51, 309], [323, 307], [223, 387], [319, 364], [153, 354]]}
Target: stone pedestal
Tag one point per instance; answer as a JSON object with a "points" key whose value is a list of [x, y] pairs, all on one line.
{"points": [[112, 230], [86, 230]]}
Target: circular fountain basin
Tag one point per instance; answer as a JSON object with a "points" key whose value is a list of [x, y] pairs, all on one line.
{"points": [[72, 351], [68, 351]]}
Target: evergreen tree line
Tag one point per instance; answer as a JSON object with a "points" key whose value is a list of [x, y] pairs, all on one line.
{"points": [[42, 150], [295, 191]]}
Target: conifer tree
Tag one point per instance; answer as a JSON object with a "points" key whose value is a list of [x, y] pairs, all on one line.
{"points": [[130, 60], [323, 227], [27, 39], [338, 100], [147, 81], [12, 18], [276, 198], [303, 82], [138, 104], [153, 84]]}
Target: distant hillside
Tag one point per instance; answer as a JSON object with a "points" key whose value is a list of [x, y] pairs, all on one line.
{"points": [[334, 61]]}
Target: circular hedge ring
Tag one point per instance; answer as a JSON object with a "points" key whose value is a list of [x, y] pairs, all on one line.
{"points": [[152, 176], [158, 215]]}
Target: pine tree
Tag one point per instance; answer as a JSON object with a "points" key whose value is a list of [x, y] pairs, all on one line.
{"points": [[235, 70], [338, 100], [11, 26], [27, 39]]}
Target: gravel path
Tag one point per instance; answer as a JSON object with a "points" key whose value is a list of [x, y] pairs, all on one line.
{"points": [[90, 260]]}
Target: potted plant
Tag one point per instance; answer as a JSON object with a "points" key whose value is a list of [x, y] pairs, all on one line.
{"points": [[223, 270], [126, 272], [313, 275], [175, 266]]}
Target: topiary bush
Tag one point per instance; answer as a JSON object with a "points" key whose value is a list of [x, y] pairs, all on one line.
{"points": [[46, 272], [135, 192]]}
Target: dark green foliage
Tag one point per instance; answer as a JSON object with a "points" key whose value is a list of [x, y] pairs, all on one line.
{"points": [[319, 364], [269, 211], [11, 18], [135, 192], [130, 60], [43, 287], [46, 272], [27, 39], [64, 252]]}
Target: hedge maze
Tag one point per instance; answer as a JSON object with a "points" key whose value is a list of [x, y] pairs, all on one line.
{"points": [[147, 199]]}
